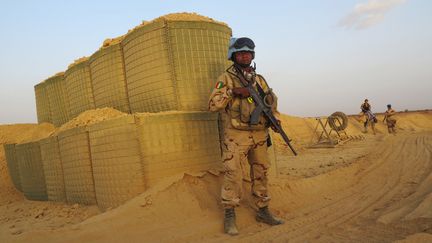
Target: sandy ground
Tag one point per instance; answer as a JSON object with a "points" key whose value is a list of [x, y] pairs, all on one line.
{"points": [[372, 188]]}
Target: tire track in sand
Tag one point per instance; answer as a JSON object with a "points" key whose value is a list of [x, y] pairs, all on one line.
{"points": [[396, 174]]}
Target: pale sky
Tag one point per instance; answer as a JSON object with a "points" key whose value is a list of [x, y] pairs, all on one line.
{"points": [[319, 56]]}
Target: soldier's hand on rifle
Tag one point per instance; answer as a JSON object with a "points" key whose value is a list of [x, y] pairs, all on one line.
{"points": [[242, 92], [274, 128]]}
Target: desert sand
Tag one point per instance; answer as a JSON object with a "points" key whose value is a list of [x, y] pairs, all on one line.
{"points": [[371, 188]]}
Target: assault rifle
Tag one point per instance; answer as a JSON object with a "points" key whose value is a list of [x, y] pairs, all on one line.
{"points": [[262, 107]]}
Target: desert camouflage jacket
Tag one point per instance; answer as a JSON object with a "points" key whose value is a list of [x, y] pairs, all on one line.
{"points": [[236, 111]]}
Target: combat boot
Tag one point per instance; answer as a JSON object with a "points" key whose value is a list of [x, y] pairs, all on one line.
{"points": [[230, 226], [264, 215]]}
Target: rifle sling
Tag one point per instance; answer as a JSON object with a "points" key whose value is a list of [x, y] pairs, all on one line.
{"points": [[260, 90], [244, 82]]}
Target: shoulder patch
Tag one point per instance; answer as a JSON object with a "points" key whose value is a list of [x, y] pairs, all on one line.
{"points": [[219, 85]]}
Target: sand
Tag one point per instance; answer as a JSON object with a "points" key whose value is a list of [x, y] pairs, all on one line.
{"points": [[371, 188], [184, 16], [78, 61], [90, 117], [112, 41]]}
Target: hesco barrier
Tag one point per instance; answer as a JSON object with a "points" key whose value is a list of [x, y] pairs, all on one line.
{"points": [[116, 159], [77, 166], [53, 169], [12, 164], [79, 88], [31, 171], [58, 100], [177, 142], [108, 78], [173, 64], [42, 103]]}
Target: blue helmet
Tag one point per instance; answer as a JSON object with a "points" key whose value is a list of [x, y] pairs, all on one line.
{"points": [[240, 44]]}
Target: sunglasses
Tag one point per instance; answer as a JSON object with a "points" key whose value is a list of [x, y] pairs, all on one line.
{"points": [[244, 41]]}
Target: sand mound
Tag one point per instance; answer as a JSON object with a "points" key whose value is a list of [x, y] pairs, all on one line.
{"points": [[111, 41], [22, 133], [179, 17], [91, 117], [187, 17], [301, 130], [78, 61], [8, 193]]}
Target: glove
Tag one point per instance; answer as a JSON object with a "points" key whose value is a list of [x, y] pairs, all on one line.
{"points": [[241, 92]]}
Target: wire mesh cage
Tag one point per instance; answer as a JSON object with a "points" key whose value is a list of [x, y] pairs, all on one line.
{"points": [[108, 78], [173, 64], [116, 160], [12, 164], [58, 101], [177, 142], [42, 103], [53, 169], [77, 166], [31, 171], [79, 88]]}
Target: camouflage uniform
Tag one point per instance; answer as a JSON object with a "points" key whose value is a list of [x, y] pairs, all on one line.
{"points": [[242, 142], [390, 119]]}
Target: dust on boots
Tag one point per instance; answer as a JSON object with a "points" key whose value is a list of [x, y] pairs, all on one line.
{"points": [[230, 226], [263, 215]]}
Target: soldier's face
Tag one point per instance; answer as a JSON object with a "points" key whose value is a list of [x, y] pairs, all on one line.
{"points": [[243, 57]]}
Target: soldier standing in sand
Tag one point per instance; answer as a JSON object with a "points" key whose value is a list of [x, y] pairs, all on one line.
{"points": [[365, 107], [243, 141], [390, 119], [370, 118]]}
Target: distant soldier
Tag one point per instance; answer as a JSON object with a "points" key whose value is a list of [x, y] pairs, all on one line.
{"points": [[389, 118], [365, 107], [243, 141], [370, 119]]}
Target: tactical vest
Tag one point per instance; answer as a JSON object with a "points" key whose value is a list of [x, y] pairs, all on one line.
{"points": [[240, 109]]}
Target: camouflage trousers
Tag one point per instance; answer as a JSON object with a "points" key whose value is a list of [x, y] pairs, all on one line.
{"points": [[235, 158], [391, 122]]}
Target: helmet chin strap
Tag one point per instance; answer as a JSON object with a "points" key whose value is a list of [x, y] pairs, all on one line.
{"points": [[246, 65], [243, 65]]}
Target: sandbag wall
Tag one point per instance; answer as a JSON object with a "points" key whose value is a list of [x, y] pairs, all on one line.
{"points": [[12, 164], [108, 77], [79, 88], [31, 171], [173, 64]]}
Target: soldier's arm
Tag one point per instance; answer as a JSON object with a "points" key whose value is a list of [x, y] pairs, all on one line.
{"points": [[220, 96]]}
